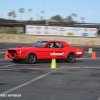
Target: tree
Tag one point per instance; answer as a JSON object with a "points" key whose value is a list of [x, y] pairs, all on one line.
{"points": [[13, 14], [82, 19], [57, 18], [31, 19], [74, 15], [21, 10], [69, 18], [37, 16], [42, 15], [10, 14], [30, 10]]}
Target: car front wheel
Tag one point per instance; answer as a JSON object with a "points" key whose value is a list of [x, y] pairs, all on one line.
{"points": [[70, 58], [30, 58]]}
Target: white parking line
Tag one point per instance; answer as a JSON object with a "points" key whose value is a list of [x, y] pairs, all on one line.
{"points": [[65, 67], [99, 98], [2, 52], [5, 59], [91, 67], [6, 63], [23, 69], [97, 58], [86, 55], [33, 80], [7, 66], [3, 49], [81, 67], [2, 59]]}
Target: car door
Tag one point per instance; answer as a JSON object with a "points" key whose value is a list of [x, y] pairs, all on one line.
{"points": [[39, 49], [56, 50]]}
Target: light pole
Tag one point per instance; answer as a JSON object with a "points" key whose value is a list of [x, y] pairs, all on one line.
{"points": [[47, 13]]}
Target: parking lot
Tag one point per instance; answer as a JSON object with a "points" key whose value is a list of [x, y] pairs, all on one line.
{"points": [[69, 81]]}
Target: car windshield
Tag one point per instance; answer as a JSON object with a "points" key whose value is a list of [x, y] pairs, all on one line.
{"points": [[39, 44]]}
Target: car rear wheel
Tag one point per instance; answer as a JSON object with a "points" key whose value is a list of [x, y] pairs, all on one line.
{"points": [[30, 58], [70, 58], [17, 60]]}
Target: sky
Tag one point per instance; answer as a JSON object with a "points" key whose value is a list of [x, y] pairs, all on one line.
{"points": [[89, 9]]}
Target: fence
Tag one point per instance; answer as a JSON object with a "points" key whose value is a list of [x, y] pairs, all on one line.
{"points": [[61, 31]]}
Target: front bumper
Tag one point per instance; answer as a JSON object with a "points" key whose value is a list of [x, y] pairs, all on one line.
{"points": [[15, 56]]}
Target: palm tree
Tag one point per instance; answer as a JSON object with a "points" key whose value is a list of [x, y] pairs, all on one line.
{"points": [[82, 19], [14, 15], [69, 18], [42, 15], [74, 15], [21, 10], [37, 16], [13, 12], [31, 19], [9, 14], [30, 11]]}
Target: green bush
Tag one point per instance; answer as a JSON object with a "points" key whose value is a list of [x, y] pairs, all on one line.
{"points": [[11, 31]]}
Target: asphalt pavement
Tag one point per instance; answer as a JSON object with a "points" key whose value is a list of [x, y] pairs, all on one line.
{"points": [[69, 81]]}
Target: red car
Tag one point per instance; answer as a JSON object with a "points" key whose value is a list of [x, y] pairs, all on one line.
{"points": [[42, 50]]}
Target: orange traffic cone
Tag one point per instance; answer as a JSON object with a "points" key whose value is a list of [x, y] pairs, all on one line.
{"points": [[6, 57], [87, 44], [93, 55]]}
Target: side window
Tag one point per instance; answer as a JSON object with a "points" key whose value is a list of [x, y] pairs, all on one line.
{"points": [[59, 45], [50, 45], [55, 45]]}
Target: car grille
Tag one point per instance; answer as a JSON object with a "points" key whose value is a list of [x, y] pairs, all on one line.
{"points": [[12, 52]]}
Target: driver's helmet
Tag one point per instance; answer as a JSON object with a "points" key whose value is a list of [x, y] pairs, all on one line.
{"points": [[51, 45]]}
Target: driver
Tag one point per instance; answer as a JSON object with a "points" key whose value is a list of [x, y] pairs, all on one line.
{"points": [[51, 45]]}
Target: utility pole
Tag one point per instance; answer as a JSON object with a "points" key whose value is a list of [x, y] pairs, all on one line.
{"points": [[47, 13]]}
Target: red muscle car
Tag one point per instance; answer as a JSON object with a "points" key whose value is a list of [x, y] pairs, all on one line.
{"points": [[48, 49]]}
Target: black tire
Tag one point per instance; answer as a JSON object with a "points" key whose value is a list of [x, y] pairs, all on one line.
{"points": [[17, 60], [70, 58], [30, 58]]}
